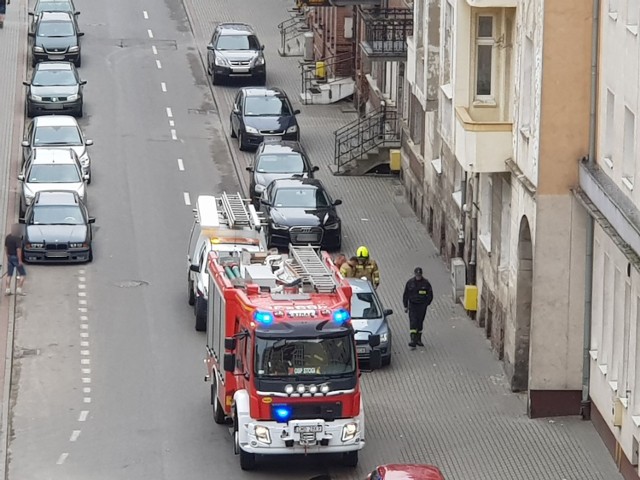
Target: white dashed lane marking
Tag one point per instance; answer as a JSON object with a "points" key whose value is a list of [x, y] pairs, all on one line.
{"points": [[174, 135], [62, 458], [87, 399], [86, 380], [154, 49], [158, 64], [85, 361], [86, 390], [169, 112], [187, 198], [145, 15], [74, 435], [180, 165], [150, 33], [163, 86], [83, 415]]}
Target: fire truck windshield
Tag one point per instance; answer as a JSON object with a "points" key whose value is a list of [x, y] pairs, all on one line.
{"points": [[294, 357]]}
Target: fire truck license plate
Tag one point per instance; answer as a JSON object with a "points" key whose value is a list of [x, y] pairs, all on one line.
{"points": [[308, 429], [362, 349]]}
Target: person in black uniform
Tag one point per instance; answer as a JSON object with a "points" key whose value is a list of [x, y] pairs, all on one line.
{"points": [[417, 296]]}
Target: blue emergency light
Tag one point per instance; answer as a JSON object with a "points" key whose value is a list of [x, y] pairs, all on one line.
{"points": [[264, 318], [341, 316], [282, 413]]}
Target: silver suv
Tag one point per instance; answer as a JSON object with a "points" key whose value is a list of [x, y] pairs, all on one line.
{"points": [[235, 52], [51, 169]]}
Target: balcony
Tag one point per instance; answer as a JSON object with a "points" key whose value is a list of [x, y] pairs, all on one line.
{"points": [[492, 3], [482, 147], [385, 33]]}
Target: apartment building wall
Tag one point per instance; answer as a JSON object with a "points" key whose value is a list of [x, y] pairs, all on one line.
{"points": [[333, 36]]}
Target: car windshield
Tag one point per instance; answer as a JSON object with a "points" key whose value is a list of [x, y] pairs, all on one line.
{"points": [[57, 215], [237, 42], [55, 29], [63, 78], [50, 136], [300, 357], [54, 174], [280, 163], [301, 198], [364, 306], [266, 106], [54, 7]]}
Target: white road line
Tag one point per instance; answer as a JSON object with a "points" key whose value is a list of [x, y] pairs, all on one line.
{"points": [[169, 112], [82, 286], [82, 309], [85, 352], [180, 165], [158, 64], [187, 198], [81, 271], [172, 123], [85, 361], [84, 344], [83, 415], [84, 334], [82, 302], [174, 135], [145, 15], [84, 318], [86, 389], [86, 380], [163, 86], [154, 49], [150, 33], [82, 279], [62, 458], [86, 371], [84, 326], [87, 399], [74, 435], [82, 294]]}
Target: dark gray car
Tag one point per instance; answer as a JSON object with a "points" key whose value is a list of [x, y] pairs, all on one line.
{"points": [[51, 6], [56, 38], [56, 88], [235, 52]]}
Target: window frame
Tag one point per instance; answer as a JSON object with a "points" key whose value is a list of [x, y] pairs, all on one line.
{"points": [[484, 41]]}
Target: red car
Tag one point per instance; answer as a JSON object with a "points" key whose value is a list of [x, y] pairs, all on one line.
{"points": [[406, 472]]}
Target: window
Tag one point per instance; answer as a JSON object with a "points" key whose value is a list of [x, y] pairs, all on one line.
{"points": [[484, 43], [485, 207], [505, 225], [609, 131], [447, 43], [301, 198], [457, 184], [418, 22], [623, 384], [613, 6], [416, 121], [629, 149], [596, 308], [526, 92], [607, 307], [636, 384], [613, 371], [364, 306]]}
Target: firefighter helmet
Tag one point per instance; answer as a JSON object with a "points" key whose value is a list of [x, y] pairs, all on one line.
{"points": [[362, 252]]}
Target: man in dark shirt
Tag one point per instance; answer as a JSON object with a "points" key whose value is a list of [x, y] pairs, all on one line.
{"points": [[13, 251], [417, 296]]}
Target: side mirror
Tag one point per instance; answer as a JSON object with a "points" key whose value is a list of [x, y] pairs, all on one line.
{"points": [[83, 82], [315, 168], [92, 220], [81, 34], [21, 220], [31, 34], [374, 341], [210, 47], [77, 13], [230, 343], [229, 362], [249, 169], [194, 268], [337, 202], [26, 84], [296, 112], [375, 359], [88, 143], [31, 14], [386, 312], [21, 177], [86, 178], [236, 110], [25, 144], [261, 47]]}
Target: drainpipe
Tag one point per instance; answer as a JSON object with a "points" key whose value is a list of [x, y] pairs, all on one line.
{"points": [[463, 216], [585, 404], [471, 275]]}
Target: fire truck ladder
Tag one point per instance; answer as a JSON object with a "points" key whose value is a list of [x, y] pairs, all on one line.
{"points": [[235, 210], [311, 268]]}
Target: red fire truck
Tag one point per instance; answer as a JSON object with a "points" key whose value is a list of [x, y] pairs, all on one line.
{"points": [[281, 355]]}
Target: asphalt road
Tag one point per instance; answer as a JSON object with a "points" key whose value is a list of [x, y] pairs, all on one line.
{"points": [[108, 383]]}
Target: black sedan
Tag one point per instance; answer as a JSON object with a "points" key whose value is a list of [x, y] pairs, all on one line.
{"points": [[56, 38], [277, 159], [300, 212], [58, 229], [51, 6], [259, 112], [55, 87]]}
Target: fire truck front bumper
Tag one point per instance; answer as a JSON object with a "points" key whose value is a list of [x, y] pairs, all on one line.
{"points": [[301, 436]]}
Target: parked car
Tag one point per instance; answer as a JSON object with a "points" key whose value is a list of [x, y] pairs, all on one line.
{"points": [[58, 131], [406, 472], [274, 159], [369, 317], [51, 6], [58, 229], [235, 52], [54, 88], [300, 212], [260, 112], [51, 169], [56, 38]]}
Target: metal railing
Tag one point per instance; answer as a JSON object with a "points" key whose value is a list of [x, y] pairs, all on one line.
{"points": [[291, 28], [386, 31], [377, 129], [333, 67]]}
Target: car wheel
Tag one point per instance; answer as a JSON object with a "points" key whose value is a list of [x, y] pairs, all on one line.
{"points": [[90, 254], [209, 70], [78, 62], [80, 111], [214, 77], [201, 314], [90, 177], [218, 412], [386, 361], [233, 132], [241, 145], [23, 209], [350, 459], [191, 295]]}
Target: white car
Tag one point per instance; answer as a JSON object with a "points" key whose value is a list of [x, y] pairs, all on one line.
{"points": [[51, 169], [58, 131]]}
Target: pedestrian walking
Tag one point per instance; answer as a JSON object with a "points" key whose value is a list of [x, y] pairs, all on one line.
{"points": [[367, 267], [3, 11], [417, 297], [13, 252], [348, 268]]}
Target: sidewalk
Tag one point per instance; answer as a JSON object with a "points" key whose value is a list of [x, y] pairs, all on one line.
{"points": [[13, 64], [448, 404]]}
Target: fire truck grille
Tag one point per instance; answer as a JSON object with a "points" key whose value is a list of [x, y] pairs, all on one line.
{"points": [[305, 235], [326, 411]]}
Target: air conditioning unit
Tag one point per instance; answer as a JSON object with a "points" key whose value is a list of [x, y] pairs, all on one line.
{"points": [[458, 277]]}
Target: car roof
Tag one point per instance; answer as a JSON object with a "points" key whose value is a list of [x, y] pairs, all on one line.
{"points": [[55, 16], [54, 66], [235, 28], [263, 91], [282, 146], [56, 197], [359, 285], [55, 121], [395, 471], [297, 182], [53, 155]]}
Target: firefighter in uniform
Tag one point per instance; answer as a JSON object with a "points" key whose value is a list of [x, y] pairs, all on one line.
{"points": [[348, 268], [417, 296], [366, 267]]}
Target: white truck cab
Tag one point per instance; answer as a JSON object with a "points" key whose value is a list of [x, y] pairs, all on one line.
{"points": [[227, 224]]}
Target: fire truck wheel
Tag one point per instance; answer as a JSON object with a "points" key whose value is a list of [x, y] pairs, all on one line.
{"points": [[218, 411], [201, 314], [350, 459], [192, 296]]}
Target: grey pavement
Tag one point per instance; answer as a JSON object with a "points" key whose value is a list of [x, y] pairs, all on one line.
{"points": [[448, 404]]}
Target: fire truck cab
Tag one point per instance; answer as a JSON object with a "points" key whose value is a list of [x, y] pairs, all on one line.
{"points": [[281, 355], [224, 224]]}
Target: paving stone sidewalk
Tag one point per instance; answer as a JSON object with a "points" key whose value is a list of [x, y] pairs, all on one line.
{"points": [[448, 404]]}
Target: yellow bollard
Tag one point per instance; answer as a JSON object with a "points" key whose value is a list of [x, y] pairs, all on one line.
{"points": [[471, 298], [320, 70]]}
